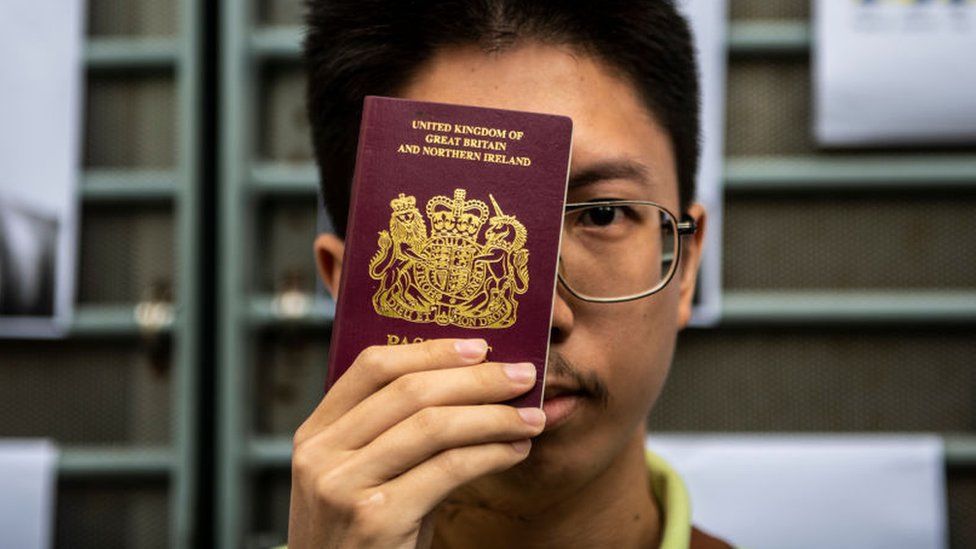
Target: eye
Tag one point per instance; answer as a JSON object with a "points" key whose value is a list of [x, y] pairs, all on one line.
{"points": [[604, 216], [600, 216]]}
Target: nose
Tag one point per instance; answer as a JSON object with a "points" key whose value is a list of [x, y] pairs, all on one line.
{"points": [[562, 315]]}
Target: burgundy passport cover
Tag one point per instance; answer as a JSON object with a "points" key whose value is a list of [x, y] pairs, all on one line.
{"points": [[454, 228]]}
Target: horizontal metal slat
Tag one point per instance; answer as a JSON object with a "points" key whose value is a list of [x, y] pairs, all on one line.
{"points": [[108, 320], [850, 173], [128, 53], [837, 307], [277, 42], [284, 179], [771, 37], [264, 312], [128, 185], [114, 462]]}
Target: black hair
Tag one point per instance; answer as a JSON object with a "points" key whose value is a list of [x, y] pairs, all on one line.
{"points": [[355, 48]]}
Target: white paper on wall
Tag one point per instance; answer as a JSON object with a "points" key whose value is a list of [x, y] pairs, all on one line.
{"points": [[813, 491], [894, 72], [40, 104], [708, 20], [27, 476]]}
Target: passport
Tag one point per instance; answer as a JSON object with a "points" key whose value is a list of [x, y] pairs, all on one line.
{"points": [[455, 220]]}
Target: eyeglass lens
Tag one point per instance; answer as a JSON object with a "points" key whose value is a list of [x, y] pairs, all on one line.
{"points": [[617, 249]]}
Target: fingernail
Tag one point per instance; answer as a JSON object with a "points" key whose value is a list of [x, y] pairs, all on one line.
{"points": [[533, 416], [522, 446], [471, 348], [521, 372]]}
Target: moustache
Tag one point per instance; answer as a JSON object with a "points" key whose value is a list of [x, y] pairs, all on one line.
{"points": [[589, 383]]}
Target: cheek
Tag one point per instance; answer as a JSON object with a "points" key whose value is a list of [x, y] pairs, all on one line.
{"points": [[643, 338]]}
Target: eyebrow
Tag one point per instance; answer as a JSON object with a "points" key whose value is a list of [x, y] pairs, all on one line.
{"points": [[610, 169]]}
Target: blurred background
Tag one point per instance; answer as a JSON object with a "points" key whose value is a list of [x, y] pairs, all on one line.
{"points": [[848, 286]]}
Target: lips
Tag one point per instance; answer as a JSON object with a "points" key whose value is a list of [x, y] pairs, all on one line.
{"points": [[556, 386], [560, 400]]}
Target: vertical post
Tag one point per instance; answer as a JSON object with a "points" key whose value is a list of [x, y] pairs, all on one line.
{"points": [[236, 101], [182, 498]]}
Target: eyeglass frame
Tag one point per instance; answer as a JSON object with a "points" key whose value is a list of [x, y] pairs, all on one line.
{"points": [[683, 227]]}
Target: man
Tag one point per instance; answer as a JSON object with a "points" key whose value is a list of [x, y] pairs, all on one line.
{"points": [[410, 448]]}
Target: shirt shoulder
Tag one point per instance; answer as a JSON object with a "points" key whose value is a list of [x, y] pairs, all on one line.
{"points": [[669, 491]]}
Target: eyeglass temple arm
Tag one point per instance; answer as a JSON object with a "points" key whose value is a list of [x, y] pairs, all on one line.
{"points": [[687, 225]]}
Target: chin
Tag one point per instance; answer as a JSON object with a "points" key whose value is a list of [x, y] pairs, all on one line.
{"points": [[559, 454]]}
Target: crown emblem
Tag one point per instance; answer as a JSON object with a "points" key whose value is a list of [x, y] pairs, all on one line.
{"points": [[458, 217], [403, 204], [456, 276]]}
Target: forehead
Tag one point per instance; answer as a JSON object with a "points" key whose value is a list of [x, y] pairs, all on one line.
{"points": [[610, 122]]}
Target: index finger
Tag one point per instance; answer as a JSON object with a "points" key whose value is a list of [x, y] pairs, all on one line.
{"points": [[378, 365]]}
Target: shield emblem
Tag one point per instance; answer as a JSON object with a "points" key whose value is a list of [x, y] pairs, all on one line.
{"points": [[449, 267]]}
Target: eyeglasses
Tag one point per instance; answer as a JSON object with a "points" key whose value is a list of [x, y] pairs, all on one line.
{"points": [[619, 250]]}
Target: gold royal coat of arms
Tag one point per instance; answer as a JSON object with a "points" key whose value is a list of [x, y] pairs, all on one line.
{"points": [[453, 276]]}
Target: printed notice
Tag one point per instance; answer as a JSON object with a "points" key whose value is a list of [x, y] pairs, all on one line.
{"points": [[40, 98], [895, 72]]}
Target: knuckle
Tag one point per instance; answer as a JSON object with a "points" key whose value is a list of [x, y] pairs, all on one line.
{"points": [[300, 436], [412, 388], [301, 462], [313, 458], [370, 358], [375, 362], [490, 376], [509, 417], [451, 465], [329, 492], [501, 420], [429, 350], [494, 375], [370, 516], [426, 421], [383, 370]]}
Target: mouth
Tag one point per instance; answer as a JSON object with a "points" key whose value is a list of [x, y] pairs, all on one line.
{"points": [[560, 402]]}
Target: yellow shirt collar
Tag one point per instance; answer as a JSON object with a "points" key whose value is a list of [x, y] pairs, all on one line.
{"points": [[672, 496]]}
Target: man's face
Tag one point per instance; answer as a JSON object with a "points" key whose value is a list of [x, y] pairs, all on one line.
{"points": [[623, 349]]}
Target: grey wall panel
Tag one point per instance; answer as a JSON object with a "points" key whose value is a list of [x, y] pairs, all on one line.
{"points": [[280, 12], [111, 514], [962, 509], [127, 254], [810, 380], [766, 9], [290, 374], [132, 17], [85, 392], [269, 524], [768, 109], [880, 242], [285, 260], [284, 133], [130, 121]]}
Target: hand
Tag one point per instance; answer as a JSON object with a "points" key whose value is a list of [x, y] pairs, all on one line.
{"points": [[400, 430]]}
